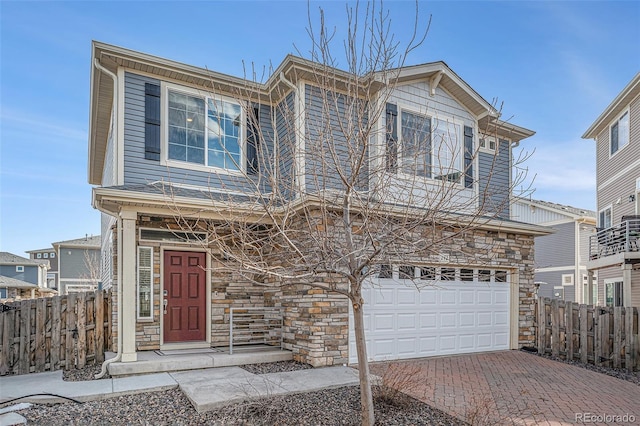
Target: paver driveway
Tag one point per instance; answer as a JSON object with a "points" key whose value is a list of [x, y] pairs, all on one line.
{"points": [[513, 387]]}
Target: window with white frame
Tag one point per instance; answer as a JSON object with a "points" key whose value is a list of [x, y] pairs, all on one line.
{"points": [[145, 282], [488, 143], [204, 130], [52, 255], [604, 218], [19, 268], [619, 133], [430, 147], [39, 255], [613, 293], [45, 255], [567, 279]]}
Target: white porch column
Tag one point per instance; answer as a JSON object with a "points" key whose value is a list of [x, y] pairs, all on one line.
{"points": [[626, 284], [127, 260]]}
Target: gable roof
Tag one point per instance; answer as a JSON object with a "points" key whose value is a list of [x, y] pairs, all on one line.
{"points": [[8, 282], [624, 98], [7, 258], [85, 242], [44, 250], [570, 211]]}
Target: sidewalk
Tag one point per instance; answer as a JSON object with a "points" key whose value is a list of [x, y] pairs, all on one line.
{"points": [[206, 389]]}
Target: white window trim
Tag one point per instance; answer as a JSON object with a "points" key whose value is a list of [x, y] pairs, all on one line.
{"points": [[39, 255], [563, 282], [150, 270], [616, 120], [613, 281], [164, 131], [487, 147], [52, 255], [609, 207], [19, 268], [460, 155]]}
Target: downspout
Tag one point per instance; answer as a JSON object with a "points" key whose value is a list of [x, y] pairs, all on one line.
{"points": [[118, 356]]}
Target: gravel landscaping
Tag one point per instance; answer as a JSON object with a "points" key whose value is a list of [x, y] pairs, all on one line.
{"points": [[340, 406], [633, 377], [329, 407]]}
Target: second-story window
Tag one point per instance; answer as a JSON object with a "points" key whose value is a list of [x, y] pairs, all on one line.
{"points": [[604, 219], [204, 130], [431, 147], [620, 133]]}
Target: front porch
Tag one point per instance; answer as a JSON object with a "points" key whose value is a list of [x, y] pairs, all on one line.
{"points": [[194, 359]]}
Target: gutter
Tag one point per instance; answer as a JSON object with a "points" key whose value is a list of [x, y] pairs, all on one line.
{"points": [[118, 356]]}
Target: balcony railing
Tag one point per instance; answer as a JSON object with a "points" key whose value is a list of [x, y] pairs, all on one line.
{"points": [[622, 238]]}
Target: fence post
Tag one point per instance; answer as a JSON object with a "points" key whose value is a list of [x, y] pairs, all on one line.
{"points": [[584, 340], [8, 331], [82, 330], [618, 326], [24, 354], [98, 310], [568, 332], [555, 327], [71, 330], [597, 335], [56, 308], [40, 334]]}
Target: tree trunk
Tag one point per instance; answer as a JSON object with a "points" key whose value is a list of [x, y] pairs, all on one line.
{"points": [[366, 397]]}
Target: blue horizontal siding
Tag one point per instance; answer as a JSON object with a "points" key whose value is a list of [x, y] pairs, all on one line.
{"points": [[138, 170]]}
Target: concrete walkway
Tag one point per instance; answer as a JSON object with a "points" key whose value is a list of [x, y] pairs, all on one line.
{"points": [[513, 387], [206, 389]]}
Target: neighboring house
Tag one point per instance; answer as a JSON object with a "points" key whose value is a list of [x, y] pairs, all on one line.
{"points": [[21, 274], [48, 255], [561, 257], [614, 251], [484, 299], [78, 264], [11, 288]]}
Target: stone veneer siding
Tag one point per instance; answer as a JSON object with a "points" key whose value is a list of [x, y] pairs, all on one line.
{"points": [[316, 322]]}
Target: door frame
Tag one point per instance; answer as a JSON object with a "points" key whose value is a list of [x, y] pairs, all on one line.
{"points": [[186, 345]]}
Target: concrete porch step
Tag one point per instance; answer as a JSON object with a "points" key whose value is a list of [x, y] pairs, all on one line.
{"points": [[152, 362]]}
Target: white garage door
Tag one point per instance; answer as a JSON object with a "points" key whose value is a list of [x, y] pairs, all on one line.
{"points": [[450, 317]]}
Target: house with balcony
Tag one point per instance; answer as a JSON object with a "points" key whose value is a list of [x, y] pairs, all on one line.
{"points": [[561, 257], [182, 156], [614, 251]]}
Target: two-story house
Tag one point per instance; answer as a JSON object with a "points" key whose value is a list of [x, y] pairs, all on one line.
{"points": [[614, 251], [78, 264], [21, 277], [47, 255], [562, 256], [171, 143]]}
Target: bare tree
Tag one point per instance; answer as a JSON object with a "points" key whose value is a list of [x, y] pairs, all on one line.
{"points": [[330, 203]]}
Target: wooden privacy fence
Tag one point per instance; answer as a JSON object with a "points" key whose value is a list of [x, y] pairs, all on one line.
{"points": [[53, 333], [589, 334]]}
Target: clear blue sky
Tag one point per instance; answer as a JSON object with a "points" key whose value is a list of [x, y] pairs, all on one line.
{"points": [[555, 65]]}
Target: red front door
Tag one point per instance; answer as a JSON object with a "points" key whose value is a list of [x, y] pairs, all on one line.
{"points": [[185, 296]]}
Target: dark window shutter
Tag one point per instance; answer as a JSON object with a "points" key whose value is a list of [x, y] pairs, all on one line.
{"points": [[614, 138], [152, 121], [468, 157], [392, 138], [253, 140]]}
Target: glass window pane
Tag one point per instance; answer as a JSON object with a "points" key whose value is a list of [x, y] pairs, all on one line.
{"points": [[216, 159], [195, 155], [484, 275], [428, 273], [466, 274], [231, 145], [177, 100], [416, 144], [195, 139], [447, 274], [177, 135], [177, 152], [177, 117], [385, 271], [234, 163], [406, 272], [501, 276]]}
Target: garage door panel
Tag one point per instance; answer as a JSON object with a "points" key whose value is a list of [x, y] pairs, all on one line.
{"points": [[406, 321], [448, 343], [406, 297], [467, 319], [428, 296], [467, 297], [428, 321], [447, 297], [454, 317], [484, 297]]}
